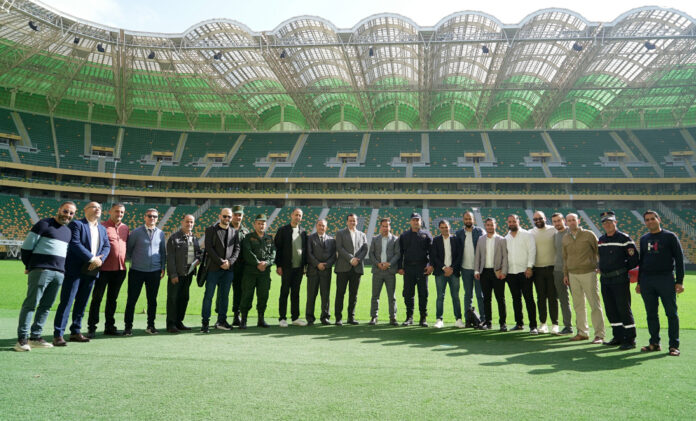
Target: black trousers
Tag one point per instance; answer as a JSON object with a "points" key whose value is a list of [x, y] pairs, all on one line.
{"points": [[616, 294], [490, 284], [415, 277], [290, 285], [546, 293], [521, 286], [177, 300], [109, 281], [237, 287], [136, 279], [318, 283], [350, 280]]}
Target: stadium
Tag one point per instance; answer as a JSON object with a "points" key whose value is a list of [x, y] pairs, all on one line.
{"points": [[554, 113]]}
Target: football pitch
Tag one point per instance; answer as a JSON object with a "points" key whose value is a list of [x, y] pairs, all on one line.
{"points": [[350, 372]]}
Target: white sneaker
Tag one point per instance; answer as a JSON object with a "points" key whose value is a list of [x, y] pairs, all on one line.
{"points": [[439, 324], [459, 324], [555, 330], [298, 322], [543, 328], [39, 343], [283, 323], [22, 345]]}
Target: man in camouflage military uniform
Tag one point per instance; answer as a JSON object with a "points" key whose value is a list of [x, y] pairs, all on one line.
{"points": [[259, 254], [238, 267]]}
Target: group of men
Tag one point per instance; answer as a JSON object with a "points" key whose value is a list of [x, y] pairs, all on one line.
{"points": [[78, 256]]}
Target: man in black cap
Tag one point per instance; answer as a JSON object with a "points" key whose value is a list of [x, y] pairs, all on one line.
{"points": [[259, 254], [415, 267], [238, 267], [617, 255]]}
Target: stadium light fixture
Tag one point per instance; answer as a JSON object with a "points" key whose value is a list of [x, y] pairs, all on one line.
{"points": [[371, 52], [283, 54], [485, 49], [76, 41], [33, 26], [151, 55], [101, 48], [649, 45], [218, 55], [577, 47]]}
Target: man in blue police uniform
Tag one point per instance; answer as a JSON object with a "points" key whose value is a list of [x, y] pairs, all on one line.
{"points": [[617, 255]]}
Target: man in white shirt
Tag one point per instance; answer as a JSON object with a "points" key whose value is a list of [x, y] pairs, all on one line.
{"points": [[445, 256], [543, 272], [351, 246], [521, 250]]}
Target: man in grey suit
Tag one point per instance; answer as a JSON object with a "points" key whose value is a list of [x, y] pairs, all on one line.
{"points": [[490, 266], [384, 255], [351, 246], [321, 256]]}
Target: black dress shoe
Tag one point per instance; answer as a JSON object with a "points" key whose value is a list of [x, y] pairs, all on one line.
{"points": [[182, 326], [127, 332], [172, 329], [111, 331], [407, 322], [393, 322], [262, 323], [627, 345], [205, 328], [613, 342], [310, 323], [516, 327], [339, 323], [236, 320], [353, 322], [91, 333]]}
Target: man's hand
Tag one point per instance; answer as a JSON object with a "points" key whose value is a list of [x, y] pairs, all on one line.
{"points": [[175, 280], [499, 274], [477, 276], [448, 271], [162, 274], [321, 266], [679, 288], [428, 270], [279, 271], [354, 261], [262, 266], [528, 273], [401, 272], [565, 280], [95, 263], [225, 265]]}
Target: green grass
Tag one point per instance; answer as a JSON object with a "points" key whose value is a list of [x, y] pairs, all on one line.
{"points": [[328, 372]]}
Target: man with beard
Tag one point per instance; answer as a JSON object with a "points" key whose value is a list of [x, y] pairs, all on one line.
{"points": [[521, 250], [490, 267], [238, 267], [543, 272], [43, 255], [415, 267], [468, 238], [562, 291]]}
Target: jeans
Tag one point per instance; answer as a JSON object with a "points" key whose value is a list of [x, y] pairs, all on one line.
{"points": [[222, 279], [42, 287], [472, 284], [74, 293], [441, 282]]}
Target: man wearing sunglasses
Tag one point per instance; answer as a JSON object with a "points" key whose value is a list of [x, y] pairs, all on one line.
{"points": [[147, 252]]}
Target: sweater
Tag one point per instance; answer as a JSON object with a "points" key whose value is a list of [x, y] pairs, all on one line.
{"points": [[580, 252], [661, 253], [46, 246]]}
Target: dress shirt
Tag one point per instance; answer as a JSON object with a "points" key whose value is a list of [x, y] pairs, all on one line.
{"points": [[448, 251], [521, 251], [94, 238], [490, 251], [469, 252], [383, 256]]}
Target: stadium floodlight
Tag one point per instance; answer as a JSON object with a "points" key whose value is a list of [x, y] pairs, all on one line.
{"points": [[218, 55], [101, 48], [371, 52], [151, 55], [283, 54], [577, 47], [649, 45], [76, 41], [485, 49], [33, 26]]}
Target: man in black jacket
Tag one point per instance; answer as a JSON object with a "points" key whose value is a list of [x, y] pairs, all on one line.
{"points": [[291, 258], [415, 267], [222, 247], [183, 251], [446, 259]]}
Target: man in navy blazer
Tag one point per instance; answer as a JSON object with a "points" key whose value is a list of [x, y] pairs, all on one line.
{"points": [[446, 259], [468, 238], [89, 246]]}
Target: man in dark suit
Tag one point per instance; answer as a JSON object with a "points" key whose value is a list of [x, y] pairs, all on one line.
{"points": [[384, 255], [446, 258], [468, 238], [290, 260], [183, 251], [89, 246], [351, 246], [415, 267], [321, 256], [222, 247]]}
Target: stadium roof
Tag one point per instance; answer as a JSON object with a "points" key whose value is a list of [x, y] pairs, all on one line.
{"points": [[470, 70]]}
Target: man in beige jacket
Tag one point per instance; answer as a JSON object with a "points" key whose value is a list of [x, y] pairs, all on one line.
{"points": [[580, 257]]}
